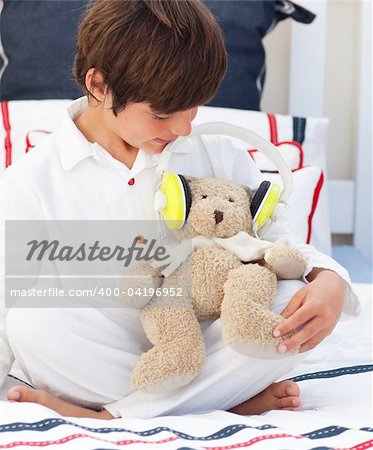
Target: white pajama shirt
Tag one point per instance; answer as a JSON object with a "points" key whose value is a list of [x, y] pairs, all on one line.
{"points": [[86, 355]]}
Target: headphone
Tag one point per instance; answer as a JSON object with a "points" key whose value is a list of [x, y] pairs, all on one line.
{"points": [[173, 198]]}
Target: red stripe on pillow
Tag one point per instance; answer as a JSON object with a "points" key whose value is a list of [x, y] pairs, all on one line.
{"points": [[274, 139], [273, 128], [299, 147], [7, 142], [315, 200], [251, 153], [29, 144]]}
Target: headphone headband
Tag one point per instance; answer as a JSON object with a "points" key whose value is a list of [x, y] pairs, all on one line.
{"points": [[251, 138], [266, 204]]}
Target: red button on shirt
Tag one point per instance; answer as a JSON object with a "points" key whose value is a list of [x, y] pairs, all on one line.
{"points": [[131, 182]]}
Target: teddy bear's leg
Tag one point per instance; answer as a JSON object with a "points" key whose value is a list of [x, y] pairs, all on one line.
{"points": [[247, 322], [178, 354], [171, 325]]}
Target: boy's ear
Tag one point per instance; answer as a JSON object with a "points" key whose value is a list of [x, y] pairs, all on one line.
{"points": [[95, 84]]}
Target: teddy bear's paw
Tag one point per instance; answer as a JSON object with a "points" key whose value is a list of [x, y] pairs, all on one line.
{"points": [[167, 367], [251, 333], [287, 269], [261, 349], [286, 262]]}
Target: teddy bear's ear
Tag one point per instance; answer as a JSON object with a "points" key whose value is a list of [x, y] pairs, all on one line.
{"points": [[249, 192], [189, 178]]}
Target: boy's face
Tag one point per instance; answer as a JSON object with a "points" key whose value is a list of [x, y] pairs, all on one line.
{"points": [[139, 127]]}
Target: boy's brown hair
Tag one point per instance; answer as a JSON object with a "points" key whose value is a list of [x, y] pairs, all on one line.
{"points": [[169, 53]]}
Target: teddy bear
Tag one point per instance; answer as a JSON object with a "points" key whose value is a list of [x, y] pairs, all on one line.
{"points": [[226, 273]]}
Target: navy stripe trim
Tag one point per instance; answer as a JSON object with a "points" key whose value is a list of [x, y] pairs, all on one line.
{"points": [[327, 432], [230, 430], [299, 129], [48, 424], [334, 373]]}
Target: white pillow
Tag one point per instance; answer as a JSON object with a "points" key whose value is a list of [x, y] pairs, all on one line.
{"points": [[301, 142], [308, 133], [25, 123], [303, 203]]}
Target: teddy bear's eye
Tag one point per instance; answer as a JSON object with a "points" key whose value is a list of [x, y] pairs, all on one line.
{"points": [[204, 196], [231, 199]]}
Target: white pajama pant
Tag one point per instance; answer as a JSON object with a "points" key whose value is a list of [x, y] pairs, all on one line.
{"points": [[86, 356]]}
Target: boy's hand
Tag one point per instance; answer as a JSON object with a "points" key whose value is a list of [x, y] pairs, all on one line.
{"points": [[312, 312]]}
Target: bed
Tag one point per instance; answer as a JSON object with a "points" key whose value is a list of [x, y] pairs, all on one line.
{"points": [[336, 412], [335, 379]]}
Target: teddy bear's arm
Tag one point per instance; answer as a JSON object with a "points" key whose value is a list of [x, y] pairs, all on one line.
{"points": [[285, 261], [142, 278]]}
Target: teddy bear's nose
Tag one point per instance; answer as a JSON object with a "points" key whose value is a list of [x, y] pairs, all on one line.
{"points": [[218, 216]]}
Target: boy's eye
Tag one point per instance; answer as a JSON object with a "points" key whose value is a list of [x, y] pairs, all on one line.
{"points": [[161, 117], [204, 196], [231, 199]]}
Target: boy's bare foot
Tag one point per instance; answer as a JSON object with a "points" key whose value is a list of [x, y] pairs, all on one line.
{"points": [[281, 395], [28, 394]]}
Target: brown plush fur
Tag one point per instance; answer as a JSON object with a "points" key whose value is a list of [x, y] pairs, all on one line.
{"points": [[215, 284]]}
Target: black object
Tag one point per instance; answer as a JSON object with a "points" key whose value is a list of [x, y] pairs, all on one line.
{"points": [[244, 24], [188, 195], [38, 39], [259, 197]]}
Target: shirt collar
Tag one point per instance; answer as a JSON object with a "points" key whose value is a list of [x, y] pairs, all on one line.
{"points": [[74, 147]]}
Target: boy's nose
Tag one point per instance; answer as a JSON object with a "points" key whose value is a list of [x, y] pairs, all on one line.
{"points": [[182, 123]]}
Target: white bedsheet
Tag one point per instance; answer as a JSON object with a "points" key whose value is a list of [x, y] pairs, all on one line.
{"points": [[336, 393]]}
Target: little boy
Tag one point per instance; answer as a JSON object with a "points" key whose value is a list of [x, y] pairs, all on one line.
{"points": [[145, 66]]}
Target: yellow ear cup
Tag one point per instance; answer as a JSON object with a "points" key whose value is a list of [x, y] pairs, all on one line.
{"points": [[268, 205], [174, 211]]}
